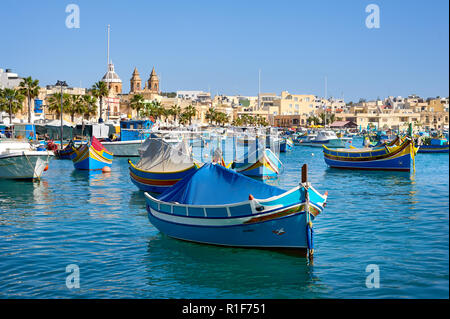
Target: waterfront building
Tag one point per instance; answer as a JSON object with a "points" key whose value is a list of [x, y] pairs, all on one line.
{"points": [[8, 79], [296, 104]]}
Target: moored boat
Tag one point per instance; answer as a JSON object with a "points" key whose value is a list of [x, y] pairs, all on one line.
{"points": [[265, 164], [67, 152], [19, 160], [325, 137], [286, 144], [435, 145], [92, 156], [218, 206], [161, 165], [395, 158]]}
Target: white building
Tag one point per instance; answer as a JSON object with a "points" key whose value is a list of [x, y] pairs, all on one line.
{"points": [[8, 79], [190, 95]]}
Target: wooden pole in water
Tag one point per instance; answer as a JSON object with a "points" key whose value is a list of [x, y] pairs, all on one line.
{"points": [[309, 231]]}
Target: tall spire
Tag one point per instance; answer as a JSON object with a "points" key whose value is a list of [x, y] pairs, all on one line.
{"points": [[107, 49]]}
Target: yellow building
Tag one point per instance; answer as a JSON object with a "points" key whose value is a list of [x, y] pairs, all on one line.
{"points": [[296, 104]]}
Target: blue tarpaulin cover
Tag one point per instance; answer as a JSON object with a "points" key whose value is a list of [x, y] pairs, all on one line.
{"points": [[216, 185]]}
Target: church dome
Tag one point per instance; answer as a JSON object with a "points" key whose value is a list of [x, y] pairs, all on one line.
{"points": [[111, 76]]}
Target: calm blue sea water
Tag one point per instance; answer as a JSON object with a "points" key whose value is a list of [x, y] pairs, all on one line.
{"points": [[398, 221]]}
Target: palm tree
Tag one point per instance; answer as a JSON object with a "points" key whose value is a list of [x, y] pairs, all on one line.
{"points": [[137, 103], [11, 101], [175, 110], [211, 115], [90, 106], [190, 112], [332, 117], [184, 118], [29, 88], [75, 106], [100, 90], [54, 103], [322, 118]]}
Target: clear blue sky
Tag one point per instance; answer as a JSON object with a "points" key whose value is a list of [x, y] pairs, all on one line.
{"points": [[220, 45]]}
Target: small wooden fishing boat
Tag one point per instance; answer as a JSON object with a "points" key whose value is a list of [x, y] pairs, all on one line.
{"points": [[92, 156], [260, 164], [435, 145], [67, 152], [286, 144], [395, 158], [218, 206], [161, 166]]}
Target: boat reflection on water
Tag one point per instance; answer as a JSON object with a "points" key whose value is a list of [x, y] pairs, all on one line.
{"points": [[235, 272], [389, 189]]}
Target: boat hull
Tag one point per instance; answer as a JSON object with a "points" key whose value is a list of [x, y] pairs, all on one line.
{"points": [[392, 159], [266, 166], [286, 145], [24, 165], [332, 143], [155, 182], [285, 232], [433, 149], [88, 158]]}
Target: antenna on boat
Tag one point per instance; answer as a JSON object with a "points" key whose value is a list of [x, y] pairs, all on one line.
{"points": [[309, 225]]}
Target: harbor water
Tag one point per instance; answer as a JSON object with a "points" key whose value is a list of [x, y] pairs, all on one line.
{"points": [[395, 221]]}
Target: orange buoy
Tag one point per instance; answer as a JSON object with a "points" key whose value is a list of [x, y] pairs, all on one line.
{"points": [[46, 168], [106, 169]]}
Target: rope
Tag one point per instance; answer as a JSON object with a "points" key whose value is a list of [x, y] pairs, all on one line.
{"points": [[31, 166]]}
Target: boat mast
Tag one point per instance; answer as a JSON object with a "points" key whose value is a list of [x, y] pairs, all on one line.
{"points": [[107, 70], [259, 89], [325, 102]]}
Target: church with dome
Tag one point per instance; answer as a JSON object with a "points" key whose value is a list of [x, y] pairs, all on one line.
{"points": [[112, 80]]}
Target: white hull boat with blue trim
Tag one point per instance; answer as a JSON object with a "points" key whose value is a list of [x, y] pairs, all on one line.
{"points": [[327, 138], [19, 160]]}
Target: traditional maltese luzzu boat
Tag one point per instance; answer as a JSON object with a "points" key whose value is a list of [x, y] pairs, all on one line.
{"points": [[92, 156], [260, 164], [392, 158], [216, 205], [161, 166]]}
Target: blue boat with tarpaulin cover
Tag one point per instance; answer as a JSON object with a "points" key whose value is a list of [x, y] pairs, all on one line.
{"points": [[216, 205]]}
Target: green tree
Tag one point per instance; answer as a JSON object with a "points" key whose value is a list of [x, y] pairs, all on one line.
{"points": [[11, 101], [332, 117], [175, 111], [54, 103], [137, 103], [90, 106], [75, 106], [211, 115], [100, 90], [29, 88], [189, 113]]}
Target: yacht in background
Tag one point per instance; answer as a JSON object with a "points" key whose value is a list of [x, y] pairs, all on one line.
{"points": [[325, 137]]}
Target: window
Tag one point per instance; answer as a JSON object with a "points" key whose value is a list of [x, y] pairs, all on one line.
{"points": [[307, 99], [296, 106], [295, 98], [290, 105]]}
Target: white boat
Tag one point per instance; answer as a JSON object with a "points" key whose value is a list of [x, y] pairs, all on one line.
{"points": [[325, 137], [20, 160]]}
